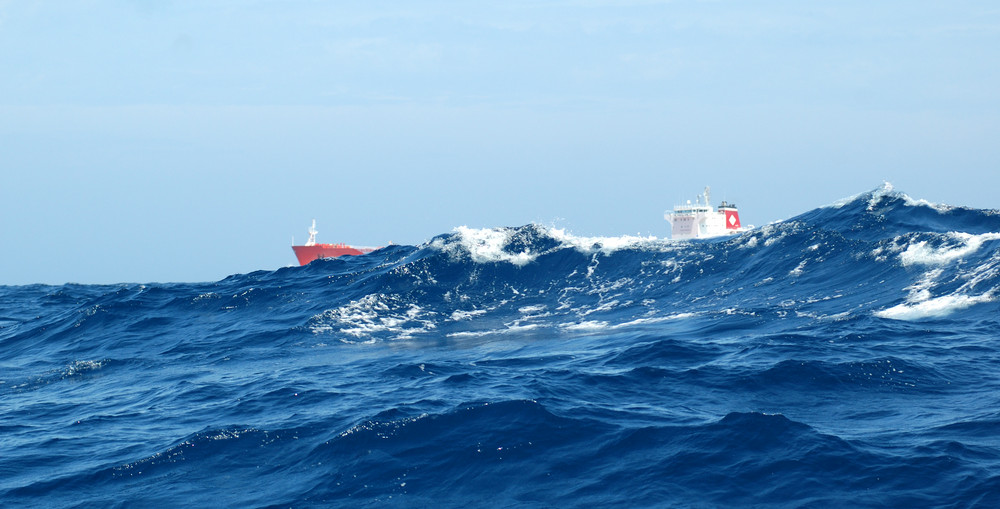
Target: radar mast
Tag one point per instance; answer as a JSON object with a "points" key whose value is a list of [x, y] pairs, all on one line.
{"points": [[312, 234]]}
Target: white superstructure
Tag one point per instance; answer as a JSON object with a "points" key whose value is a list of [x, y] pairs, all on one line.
{"points": [[701, 220]]}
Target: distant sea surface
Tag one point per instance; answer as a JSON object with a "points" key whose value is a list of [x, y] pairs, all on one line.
{"points": [[847, 357]]}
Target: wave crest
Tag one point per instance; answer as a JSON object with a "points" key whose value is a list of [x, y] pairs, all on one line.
{"points": [[525, 244]]}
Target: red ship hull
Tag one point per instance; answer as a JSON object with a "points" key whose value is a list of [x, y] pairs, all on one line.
{"points": [[306, 254]]}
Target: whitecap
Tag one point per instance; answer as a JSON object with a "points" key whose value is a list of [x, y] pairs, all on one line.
{"points": [[527, 310], [884, 190], [606, 245], [933, 307], [961, 245], [797, 271], [878, 194], [585, 325], [80, 367], [375, 314], [655, 319], [487, 245], [459, 315], [939, 207]]}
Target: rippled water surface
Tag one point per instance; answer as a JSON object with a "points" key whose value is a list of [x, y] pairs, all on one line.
{"points": [[846, 357]]}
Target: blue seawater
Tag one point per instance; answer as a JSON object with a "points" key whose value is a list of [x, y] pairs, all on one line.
{"points": [[847, 357]]}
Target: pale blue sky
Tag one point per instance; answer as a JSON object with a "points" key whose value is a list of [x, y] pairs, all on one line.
{"points": [[186, 141]]}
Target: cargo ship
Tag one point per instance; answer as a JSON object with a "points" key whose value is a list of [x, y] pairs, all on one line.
{"points": [[700, 220], [312, 251]]}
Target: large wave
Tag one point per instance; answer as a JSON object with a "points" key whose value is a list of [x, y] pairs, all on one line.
{"points": [[840, 357], [878, 254]]}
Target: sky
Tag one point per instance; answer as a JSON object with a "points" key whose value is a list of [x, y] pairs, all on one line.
{"points": [[187, 141]]}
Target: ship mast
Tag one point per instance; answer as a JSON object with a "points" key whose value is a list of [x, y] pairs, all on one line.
{"points": [[312, 234]]}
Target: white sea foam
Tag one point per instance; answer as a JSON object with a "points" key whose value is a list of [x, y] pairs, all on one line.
{"points": [[603, 306], [374, 314], [940, 207], [921, 290], [584, 326], [509, 329], [884, 190], [797, 271], [959, 245], [527, 310], [472, 334], [879, 193], [987, 271], [933, 307], [821, 317], [654, 319], [486, 245], [887, 190], [774, 232], [606, 245], [575, 327], [79, 367], [921, 302], [459, 315]]}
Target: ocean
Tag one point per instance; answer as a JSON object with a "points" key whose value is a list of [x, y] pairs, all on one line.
{"points": [[846, 357]]}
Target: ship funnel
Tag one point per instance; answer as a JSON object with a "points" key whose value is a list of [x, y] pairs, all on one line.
{"points": [[732, 215]]}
